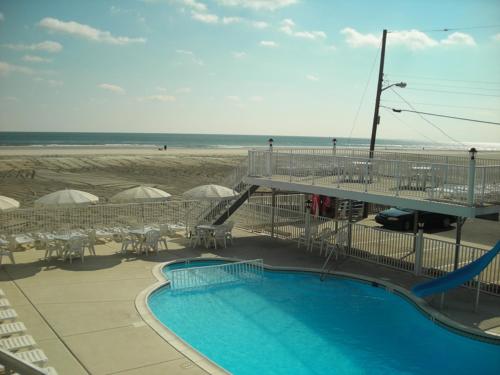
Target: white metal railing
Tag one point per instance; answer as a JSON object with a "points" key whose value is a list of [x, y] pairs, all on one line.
{"points": [[470, 184], [373, 244], [294, 202], [206, 276]]}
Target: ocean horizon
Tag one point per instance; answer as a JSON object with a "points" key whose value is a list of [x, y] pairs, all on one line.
{"points": [[179, 140]]}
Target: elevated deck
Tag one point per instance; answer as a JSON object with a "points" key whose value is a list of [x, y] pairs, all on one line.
{"points": [[449, 185]]}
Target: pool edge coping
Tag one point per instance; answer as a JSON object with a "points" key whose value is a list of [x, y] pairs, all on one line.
{"points": [[199, 359]]}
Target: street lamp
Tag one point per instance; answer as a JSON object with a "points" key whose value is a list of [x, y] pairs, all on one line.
{"points": [[472, 153], [376, 118], [399, 84], [270, 141]]}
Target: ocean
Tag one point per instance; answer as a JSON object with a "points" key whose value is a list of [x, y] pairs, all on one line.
{"points": [[61, 139]]}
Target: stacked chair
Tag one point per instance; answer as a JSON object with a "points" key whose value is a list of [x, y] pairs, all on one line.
{"points": [[13, 338]]}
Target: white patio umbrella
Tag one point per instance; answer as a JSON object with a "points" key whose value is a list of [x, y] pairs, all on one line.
{"points": [[66, 198], [211, 193], [8, 204], [140, 194]]}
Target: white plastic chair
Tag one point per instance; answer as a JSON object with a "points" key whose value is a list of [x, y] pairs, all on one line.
{"points": [[229, 231], [219, 235], [91, 241], [151, 241], [197, 237], [75, 247]]}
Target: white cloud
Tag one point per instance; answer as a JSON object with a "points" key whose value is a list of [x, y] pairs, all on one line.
{"points": [[496, 37], [6, 68], [256, 98], [258, 4], [239, 55], [36, 59], [2, 17], [47, 46], [11, 98], [205, 17], [268, 43], [185, 52], [86, 32], [50, 82], [459, 38], [158, 98], [412, 39], [356, 39], [161, 89], [260, 24], [184, 90], [113, 88], [196, 5], [288, 27], [233, 98], [194, 58], [230, 20], [312, 77]]}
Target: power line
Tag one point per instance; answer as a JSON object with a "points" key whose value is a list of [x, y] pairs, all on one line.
{"points": [[446, 29], [364, 93], [445, 116], [443, 79], [427, 120], [445, 105], [453, 92], [407, 125], [457, 87]]}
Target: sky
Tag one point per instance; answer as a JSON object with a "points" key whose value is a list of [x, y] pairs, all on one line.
{"points": [[282, 67]]}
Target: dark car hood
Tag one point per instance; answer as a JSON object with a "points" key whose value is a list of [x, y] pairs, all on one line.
{"points": [[395, 212]]}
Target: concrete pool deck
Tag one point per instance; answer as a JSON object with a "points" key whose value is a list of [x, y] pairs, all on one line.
{"points": [[84, 317]]}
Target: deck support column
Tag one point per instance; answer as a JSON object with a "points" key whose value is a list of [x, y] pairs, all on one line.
{"points": [[458, 238], [273, 211], [415, 230], [349, 227], [419, 249]]}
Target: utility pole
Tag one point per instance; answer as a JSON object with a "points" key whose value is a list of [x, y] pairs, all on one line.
{"points": [[376, 117]]}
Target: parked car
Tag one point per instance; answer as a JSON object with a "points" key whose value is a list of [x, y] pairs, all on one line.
{"points": [[402, 218]]}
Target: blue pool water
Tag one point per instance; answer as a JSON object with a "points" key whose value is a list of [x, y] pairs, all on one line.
{"points": [[292, 323]]}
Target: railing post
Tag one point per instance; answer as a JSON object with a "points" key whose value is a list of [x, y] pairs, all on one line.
{"points": [[472, 178], [290, 167], [313, 167], [419, 249], [398, 177]]}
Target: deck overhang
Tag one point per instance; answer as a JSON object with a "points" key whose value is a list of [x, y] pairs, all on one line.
{"points": [[383, 199]]}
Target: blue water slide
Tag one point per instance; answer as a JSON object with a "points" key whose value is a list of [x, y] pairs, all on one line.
{"points": [[457, 277]]}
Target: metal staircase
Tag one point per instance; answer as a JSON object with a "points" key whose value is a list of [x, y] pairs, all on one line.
{"points": [[219, 212]]}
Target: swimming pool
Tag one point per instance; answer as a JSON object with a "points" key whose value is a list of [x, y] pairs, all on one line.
{"points": [[292, 323]]}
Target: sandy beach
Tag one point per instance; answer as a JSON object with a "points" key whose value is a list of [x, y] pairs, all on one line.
{"points": [[27, 173]]}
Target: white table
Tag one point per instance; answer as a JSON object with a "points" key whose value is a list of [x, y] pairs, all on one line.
{"points": [[420, 175], [23, 239]]}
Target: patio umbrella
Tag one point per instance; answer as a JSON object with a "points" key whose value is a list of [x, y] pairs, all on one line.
{"points": [[8, 204], [66, 198], [140, 194], [210, 193]]}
